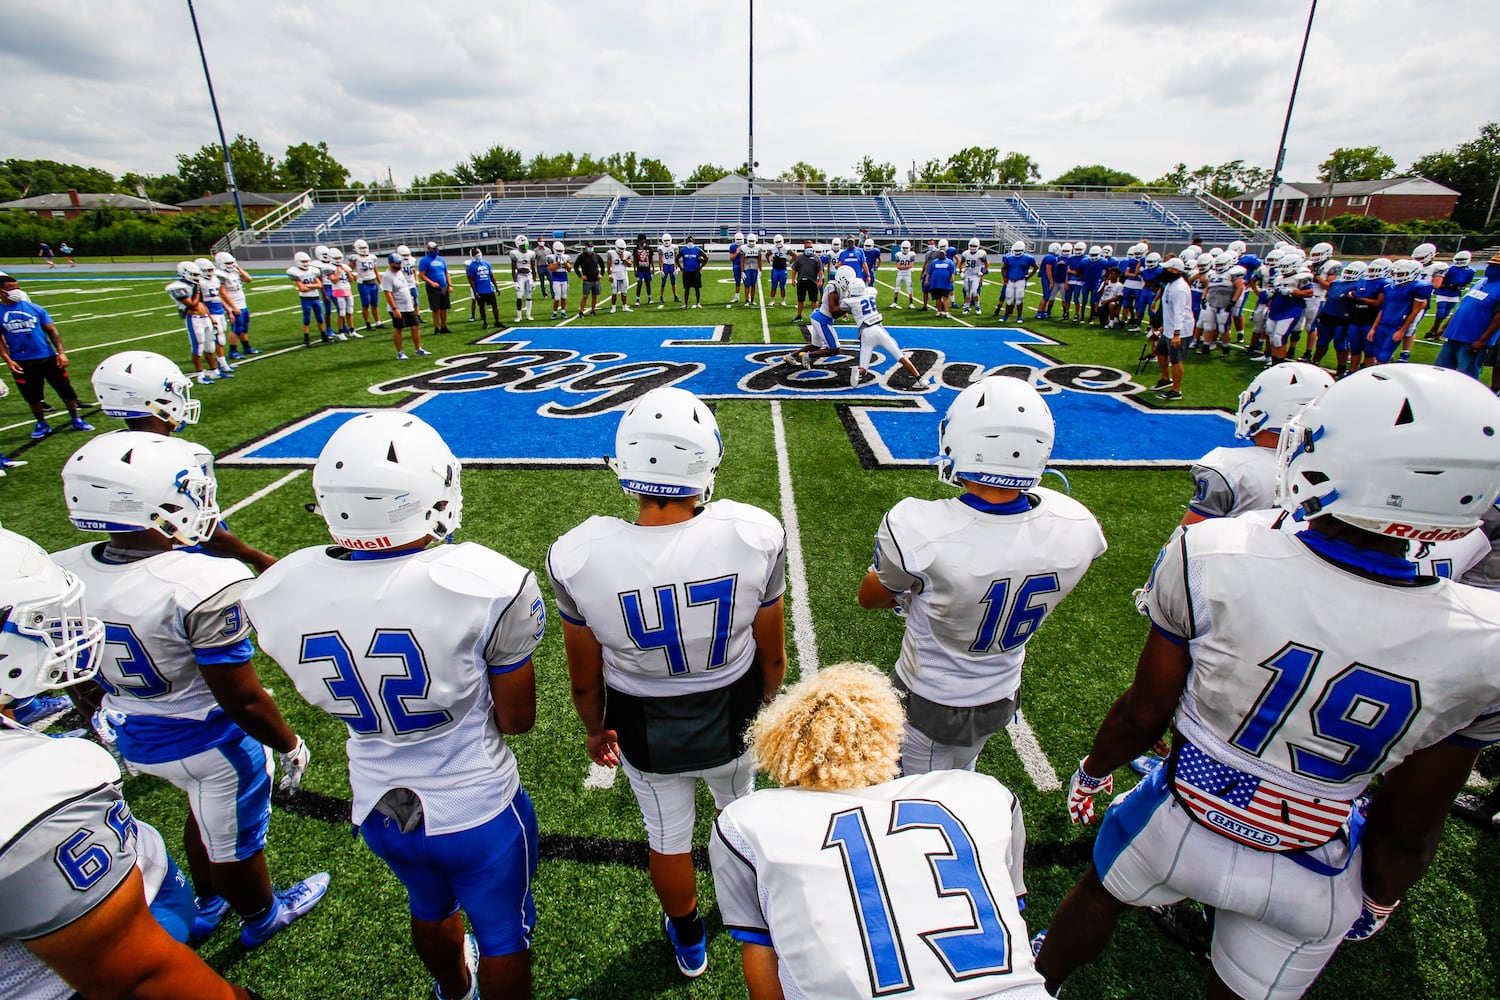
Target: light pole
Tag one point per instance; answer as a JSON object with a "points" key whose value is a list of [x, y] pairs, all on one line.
{"points": [[1287, 123], [750, 154], [234, 189]]}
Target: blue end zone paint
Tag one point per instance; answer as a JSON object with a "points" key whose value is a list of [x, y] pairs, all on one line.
{"points": [[542, 396]]}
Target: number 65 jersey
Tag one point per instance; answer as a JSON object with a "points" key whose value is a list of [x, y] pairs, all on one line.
{"points": [[1319, 703], [904, 888], [399, 648]]}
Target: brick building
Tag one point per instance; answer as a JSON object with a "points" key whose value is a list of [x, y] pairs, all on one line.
{"points": [[1395, 199], [73, 204]]}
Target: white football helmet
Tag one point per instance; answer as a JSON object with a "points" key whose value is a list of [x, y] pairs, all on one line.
{"points": [[1407, 451], [778, 240], [224, 260], [1137, 250], [299, 258], [974, 243], [836, 243], [1153, 259], [1094, 252], [1404, 272], [1054, 248], [387, 479], [403, 250], [1277, 395], [666, 239], [1423, 253], [1222, 261], [205, 265], [144, 384], [1353, 271], [1380, 267], [620, 243], [1440, 269], [906, 245], [1190, 254], [361, 246], [1019, 246], [134, 480], [557, 246], [1066, 249], [942, 244], [843, 280], [1107, 250], [521, 243], [335, 255], [1462, 258], [1319, 253], [997, 432], [1330, 269], [740, 238], [189, 271], [857, 289], [1273, 259], [47, 639], [751, 240], [668, 445], [1237, 246], [869, 243], [321, 252]]}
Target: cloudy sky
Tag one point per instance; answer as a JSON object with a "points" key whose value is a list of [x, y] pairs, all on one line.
{"points": [[1136, 85]]}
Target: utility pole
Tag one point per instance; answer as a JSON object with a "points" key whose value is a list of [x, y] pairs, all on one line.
{"points": [[213, 101], [1287, 123]]}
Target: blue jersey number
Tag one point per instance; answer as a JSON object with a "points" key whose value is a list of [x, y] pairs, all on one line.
{"points": [[132, 660], [667, 634], [981, 948], [82, 862], [1364, 709], [395, 688], [1024, 615]]}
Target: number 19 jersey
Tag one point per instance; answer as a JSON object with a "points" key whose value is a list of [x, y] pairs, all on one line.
{"points": [[673, 604], [981, 584], [904, 888]]}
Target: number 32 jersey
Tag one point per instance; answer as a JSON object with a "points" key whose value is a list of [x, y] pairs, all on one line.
{"points": [[905, 888], [399, 649], [981, 583], [1283, 691], [673, 604]]}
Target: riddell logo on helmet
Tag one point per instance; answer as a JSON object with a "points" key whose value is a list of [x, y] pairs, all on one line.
{"points": [[383, 542], [1415, 534]]}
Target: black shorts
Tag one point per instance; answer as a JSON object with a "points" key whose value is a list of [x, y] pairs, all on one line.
{"points": [[692, 279], [807, 290], [40, 372], [486, 299], [405, 320], [438, 298], [941, 293]]}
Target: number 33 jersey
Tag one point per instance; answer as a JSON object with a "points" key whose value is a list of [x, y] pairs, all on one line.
{"points": [[399, 649], [905, 888], [672, 605], [981, 583], [1288, 690]]}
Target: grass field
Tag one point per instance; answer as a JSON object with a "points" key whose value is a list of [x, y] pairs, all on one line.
{"points": [[598, 934]]}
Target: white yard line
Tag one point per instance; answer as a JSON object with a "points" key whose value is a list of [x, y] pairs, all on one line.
{"points": [[600, 777], [803, 636], [1038, 767], [262, 493]]}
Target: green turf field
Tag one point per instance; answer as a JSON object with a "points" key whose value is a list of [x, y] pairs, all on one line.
{"points": [[599, 934]]}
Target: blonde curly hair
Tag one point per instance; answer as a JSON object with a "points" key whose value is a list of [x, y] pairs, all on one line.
{"points": [[838, 729]]}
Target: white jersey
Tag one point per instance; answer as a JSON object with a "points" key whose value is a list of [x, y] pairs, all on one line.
{"points": [[974, 262], [1220, 291], [366, 268], [307, 275], [981, 585], [1232, 480], [708, 576], [668, 252], [399, 649], [904, 260], [523, 261], [619, 265], [340, 279], [163, 616], [232, 287], [1280, 692], [409, 272], [864, 309], [208, 287], [1451, 559], [561, 261], [182, 293], [905, 887]]}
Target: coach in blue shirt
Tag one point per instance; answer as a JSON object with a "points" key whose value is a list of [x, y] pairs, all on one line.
{"points": [[33, 349], [1472, 328], [434, 271]]}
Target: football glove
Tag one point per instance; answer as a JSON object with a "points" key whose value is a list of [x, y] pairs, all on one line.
{"points": [[293, 763], [1081, 791], [1372, 917]]}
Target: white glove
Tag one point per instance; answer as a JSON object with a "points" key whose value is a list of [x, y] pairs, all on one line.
{"points": [[293, 763], [1372, 917], [1081, 791]]}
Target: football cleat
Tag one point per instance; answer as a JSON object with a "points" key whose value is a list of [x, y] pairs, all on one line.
{"points": [[80, 424], [692, 959], [286, 906], [209, 913], [41, 430], [423, 354], [1187, 924], [401, 356], [40, 708], [471, 962]]}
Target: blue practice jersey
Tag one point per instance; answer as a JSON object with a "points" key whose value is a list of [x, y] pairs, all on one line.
{"points": [[1017, 265], [692, 258], [1336, 305], [22, 323], [482, 276], [1474, 313], [853, 257], [736, 258], [1398, 300], [1075, 266], [1455, 280], [1093, 272], [1151, 276], [940, 274], [872, 257]]}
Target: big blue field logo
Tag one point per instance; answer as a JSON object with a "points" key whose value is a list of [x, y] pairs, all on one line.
{"points": [[551, 396]]}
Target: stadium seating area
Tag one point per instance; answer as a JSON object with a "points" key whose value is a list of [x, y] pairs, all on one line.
{"points": [[1038, 217]]}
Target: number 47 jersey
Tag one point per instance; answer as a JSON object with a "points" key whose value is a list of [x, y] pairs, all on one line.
{"points": [[906, 888]]}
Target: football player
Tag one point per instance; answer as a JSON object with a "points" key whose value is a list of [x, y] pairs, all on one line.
{"points": [[88, 895], [937, 280], [853, 256], [481, 278], [862, 304], [1287, 308], [673, 627], [1431, 273], [781, 258], [872, 259], [220, 312], [1226, 286], [187, 292], [840, 883], [322, 260], [1282, 715], [32, 348], [1094, 267], [1130, 276], [931, 253], [1475, 325], [441, 637], [977, 574], [618, 259], [523, 275], [1455, 279], [1402, 302], [644, 267], [904, 259], [181, 699], [667, 254], [367, 276], [341, 288], [559, 263], [309, 281], [401, 297], [822, 337], [232, 280], [693, 258], [751, 257], [151, 394], [975, 264], [1148, 306]]}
